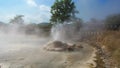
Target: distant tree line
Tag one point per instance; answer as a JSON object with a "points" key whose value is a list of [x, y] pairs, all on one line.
{"points": [[18, 19], [112, 22]]}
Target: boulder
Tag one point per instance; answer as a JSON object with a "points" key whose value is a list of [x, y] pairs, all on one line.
{"points": [[60, 46]]}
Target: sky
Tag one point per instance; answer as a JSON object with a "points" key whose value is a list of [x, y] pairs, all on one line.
{"points": [[37, 11]]}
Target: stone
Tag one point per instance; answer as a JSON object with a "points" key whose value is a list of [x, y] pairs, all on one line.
{"points": [[60, 46]]}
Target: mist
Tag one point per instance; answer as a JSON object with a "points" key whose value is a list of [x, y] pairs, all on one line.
{"points": [[22, 46]]}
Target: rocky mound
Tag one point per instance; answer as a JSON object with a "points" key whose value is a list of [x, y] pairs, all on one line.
{"points": [[60, 46]]}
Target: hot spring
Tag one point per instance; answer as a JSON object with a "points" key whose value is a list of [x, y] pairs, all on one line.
{"points": [[18, 50]]}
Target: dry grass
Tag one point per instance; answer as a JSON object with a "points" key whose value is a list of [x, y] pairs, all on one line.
{"points": [[111, 42], [110, 39]]}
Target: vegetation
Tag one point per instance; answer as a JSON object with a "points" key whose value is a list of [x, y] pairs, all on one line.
{"points": [[116, 57], [113, 22], [45, 27], [62, 11], [17, 19], [111, 40]]}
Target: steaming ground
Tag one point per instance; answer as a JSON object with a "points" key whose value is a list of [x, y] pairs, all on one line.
{"points": [[26, 51], [20, 51]]}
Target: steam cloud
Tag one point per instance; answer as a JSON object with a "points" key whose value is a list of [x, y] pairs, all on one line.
{"points": [[19, 43]]}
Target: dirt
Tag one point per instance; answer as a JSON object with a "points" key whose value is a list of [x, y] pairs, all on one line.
{"points": [[37, 57]]}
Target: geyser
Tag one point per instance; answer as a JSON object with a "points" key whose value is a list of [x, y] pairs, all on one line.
{"points": [[66, 32], [19, 50]]}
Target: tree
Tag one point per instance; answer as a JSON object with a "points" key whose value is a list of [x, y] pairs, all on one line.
{"points": [[113, 22], [62, 10], [17, 19]]}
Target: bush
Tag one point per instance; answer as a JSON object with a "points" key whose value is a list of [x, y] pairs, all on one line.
{"points": [[113, 22]]}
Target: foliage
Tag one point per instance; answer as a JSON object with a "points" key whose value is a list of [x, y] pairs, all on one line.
{"points": [[61, 10], [17, 19], [45, 26], [113, 22]]}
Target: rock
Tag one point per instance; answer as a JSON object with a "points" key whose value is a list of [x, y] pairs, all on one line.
{"points": [[56, 46], [60, 46], [78, 47], [70, 48]]}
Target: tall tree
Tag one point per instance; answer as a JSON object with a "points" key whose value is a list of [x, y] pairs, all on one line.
{"points": [[62, 10]]}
